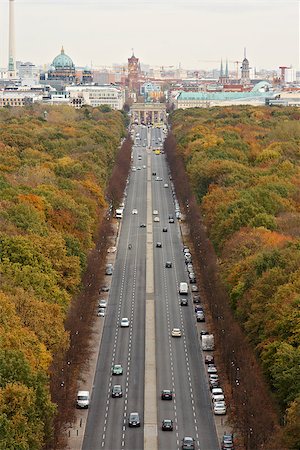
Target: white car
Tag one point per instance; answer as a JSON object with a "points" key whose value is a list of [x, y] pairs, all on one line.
{"points": [[156, 219], [124, 322], [166, 185], [102, 304], [134, 211], [144, 167], [133, 169], [211, 368], [176, 332], [219, 408], [155, 212]]}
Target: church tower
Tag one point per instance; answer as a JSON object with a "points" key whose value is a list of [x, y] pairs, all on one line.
{"points": [[245, 74], [224, 76]]}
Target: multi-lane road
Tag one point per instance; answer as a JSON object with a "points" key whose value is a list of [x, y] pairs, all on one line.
{"points": [[177, 362]]}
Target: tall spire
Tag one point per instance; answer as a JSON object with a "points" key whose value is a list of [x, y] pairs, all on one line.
{"points": [[221, 69], [245, 57], [226, 70], [11, 45], [62, 50]]}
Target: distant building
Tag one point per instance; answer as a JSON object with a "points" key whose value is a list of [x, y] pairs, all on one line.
{"points": [[96, 96], [19, 99], [28, 73], [224, 75], [150, 91], [62, 68]]}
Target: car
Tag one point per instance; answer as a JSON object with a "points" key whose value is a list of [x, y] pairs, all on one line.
{"points": [[101, 312], [198, 308], [211, 368], [133, 169], [124, 322], [102, 303], [216, 391], [139, 156], [204, 332], [134, 211], [167, 425], [171, 220], [188, 443], [196, 297], [144, 167], [158, 179], [156, 219], [155, 212], [158, 244], [187, 259], [104, 288], [184, 301], [186, 250], [116, 391], [166, 394], [192, 278], [134, 419], [200, 317], [195, 288], [227, 441], [220, 408], [166, 185], [138, 168], [176, 332], [168, 265], [109, 269], [165, 229], [209, 359], [142, 225], [83, 399], [213, 381], [154, 174], [117, 369]]}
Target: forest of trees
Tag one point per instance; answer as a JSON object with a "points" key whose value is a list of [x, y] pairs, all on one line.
{"points": [[244, 166], [54, 170]]}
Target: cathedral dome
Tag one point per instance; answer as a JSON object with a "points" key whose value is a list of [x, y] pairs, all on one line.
{"points": [[63, 61]]}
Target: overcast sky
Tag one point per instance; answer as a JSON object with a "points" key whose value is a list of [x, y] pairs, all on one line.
{"points": [[194, 33]]}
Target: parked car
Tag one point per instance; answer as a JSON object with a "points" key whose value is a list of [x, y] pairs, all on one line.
{"points": [[211, 368], [196, 298], [109, 269], [209, 359], [102, 303], [200, 317], [220, 408], [195, 288], [227, 441]]}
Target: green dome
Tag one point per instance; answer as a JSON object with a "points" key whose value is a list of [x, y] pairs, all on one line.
{"points": [[63, 61]]}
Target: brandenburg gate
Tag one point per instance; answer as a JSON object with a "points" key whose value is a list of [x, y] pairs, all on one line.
{"points": [[148, 113]]}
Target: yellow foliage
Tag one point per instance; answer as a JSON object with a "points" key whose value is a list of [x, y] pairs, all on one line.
{"points": [[95, 190]]}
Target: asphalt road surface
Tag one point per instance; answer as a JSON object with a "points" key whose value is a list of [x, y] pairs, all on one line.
{"points": [[179, 361]]}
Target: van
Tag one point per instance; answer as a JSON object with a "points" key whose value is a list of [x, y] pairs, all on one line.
{"points": [[183, 288], [83, 399]]}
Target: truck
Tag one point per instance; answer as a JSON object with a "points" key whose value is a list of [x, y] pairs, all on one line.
{"points": [[183, 288], [207, 342], [119, 213]]}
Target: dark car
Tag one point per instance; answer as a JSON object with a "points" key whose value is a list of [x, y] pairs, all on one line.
{"points": [[196, 298], [165, 229], [134, 420], [198, 308], [192, 278], [168, 264], [154, 174], [142, 225], [171, 219], [183, 301], [188, 443], [158, 244], [227, 442], [117, 391], [166, 394], [195, 288], [167, 425]]}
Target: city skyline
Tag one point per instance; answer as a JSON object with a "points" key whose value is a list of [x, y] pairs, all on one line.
{"points": [[169, 32]]}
